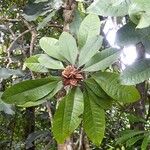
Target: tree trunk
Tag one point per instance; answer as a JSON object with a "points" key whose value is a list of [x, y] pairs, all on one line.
{"points": [[29, 124]]}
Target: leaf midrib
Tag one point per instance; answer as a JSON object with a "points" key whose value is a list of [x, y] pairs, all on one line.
{"points": [[31, 89]]}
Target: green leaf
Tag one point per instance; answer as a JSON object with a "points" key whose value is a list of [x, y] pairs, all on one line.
{"points": [[51, 47], [31, 104], [50, 63], [138, 72], [103, 102], [139, 13], [145, 142], [75, 24], [5, 73], [33, 64], [66, 118], [35, 136], [68, 47], [34, 9], [40, 9], [7, 108], [135, 119], [129, 34], [48, 97], [128, 134], [46, 20], [146, 42], [93, 120], [109, 7], [110, 83], [144, 21], [96, 88], [31, 90], [133, 140], [90, 27], [102, 60], [90, 48], [58, 87]]}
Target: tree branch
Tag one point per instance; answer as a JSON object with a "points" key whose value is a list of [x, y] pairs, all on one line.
{"points": [[22, 34]]}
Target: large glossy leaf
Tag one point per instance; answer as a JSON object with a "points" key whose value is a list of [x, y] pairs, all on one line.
{"points": [[102, 60], [110, 83], [50, 46], [33, 64], [6, 73], [136, 73], [66, 118], [103, 102], [90, 48], [31, 90], [93, 120], [50, 63], [43, 100], [68, 47], [89, 27], [109, 7], [139, 13], [129, 34]]}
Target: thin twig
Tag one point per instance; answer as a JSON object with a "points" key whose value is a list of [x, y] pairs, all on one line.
{"points": [[10, 30], [56, 25], [47, 147], [22, 34], [11, 45], [59, 27], [9, 20], [33, 40], [148, 114], [33, 36], [48, 106]]}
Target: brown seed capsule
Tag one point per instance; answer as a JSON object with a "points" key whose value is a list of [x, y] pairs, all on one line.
{"points": [[71, 76]]}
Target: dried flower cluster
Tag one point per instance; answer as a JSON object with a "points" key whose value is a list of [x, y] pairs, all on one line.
{"points": [[71, 76]]}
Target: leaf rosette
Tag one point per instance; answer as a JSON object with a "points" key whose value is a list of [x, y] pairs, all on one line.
{"points": [[88, 93]]}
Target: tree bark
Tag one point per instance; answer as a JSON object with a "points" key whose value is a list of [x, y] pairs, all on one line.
{"points": [[29, 124], [66, 146]]}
